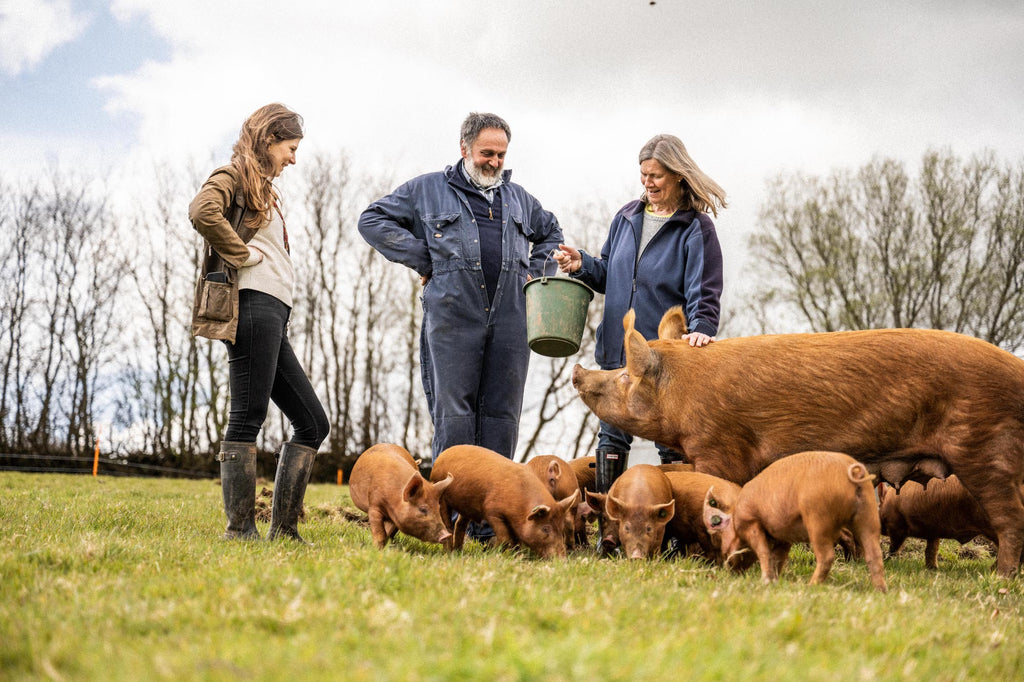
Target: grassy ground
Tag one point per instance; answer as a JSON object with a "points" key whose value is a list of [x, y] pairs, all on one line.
{"points": [[127, 579]]}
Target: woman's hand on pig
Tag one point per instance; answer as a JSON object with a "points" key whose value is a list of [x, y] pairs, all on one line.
{"points": [[698, 340], [568, 258]]}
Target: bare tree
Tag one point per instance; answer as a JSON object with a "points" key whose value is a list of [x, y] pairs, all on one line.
{"points": [[876, 249], [350, 324], [175, 392], [99, 270], [64, 266], [327, 185], [414, 433], [556, 420], [18, 217], [62, 221]]}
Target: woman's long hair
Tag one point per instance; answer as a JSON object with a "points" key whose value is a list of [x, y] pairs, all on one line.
{"points": [[700, 192], [267, 125]]}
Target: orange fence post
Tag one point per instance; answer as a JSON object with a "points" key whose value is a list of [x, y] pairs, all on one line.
{"points": [[96, 456], [341, 476]]}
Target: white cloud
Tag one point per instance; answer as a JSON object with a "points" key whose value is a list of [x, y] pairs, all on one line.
{"points": [[753, 89], [31, 29]]}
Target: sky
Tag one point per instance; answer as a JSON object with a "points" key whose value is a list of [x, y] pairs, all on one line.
{"points": [[754, 89]]}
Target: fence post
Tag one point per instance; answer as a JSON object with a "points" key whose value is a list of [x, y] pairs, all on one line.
{"points": [[96, 452]]}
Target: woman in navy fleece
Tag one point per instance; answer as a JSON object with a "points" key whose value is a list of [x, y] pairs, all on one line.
{"points": [[661, 251]]}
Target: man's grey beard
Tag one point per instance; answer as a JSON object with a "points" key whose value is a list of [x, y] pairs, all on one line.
{"points": [[476, 173]]}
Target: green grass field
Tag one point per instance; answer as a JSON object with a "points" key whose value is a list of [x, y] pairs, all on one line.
{"points": [[128, 579]]}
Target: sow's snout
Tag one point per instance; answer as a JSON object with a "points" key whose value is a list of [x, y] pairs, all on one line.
{"points": [[578, 373], [589, 383]]}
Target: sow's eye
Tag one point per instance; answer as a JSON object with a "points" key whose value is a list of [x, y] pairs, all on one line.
{"points": [[713, 503], [716, 521]]}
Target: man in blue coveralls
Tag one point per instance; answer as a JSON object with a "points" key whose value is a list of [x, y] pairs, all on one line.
{"points": [[475, 238]]}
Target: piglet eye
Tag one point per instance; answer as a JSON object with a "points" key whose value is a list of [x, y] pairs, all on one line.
{"points": [[716, 520], [713, 503]]}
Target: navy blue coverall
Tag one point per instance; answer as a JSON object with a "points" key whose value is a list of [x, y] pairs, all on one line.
{"points": [[473, 351]]}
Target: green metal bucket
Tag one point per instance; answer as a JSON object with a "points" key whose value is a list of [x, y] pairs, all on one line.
{"points": [[556, 315]]}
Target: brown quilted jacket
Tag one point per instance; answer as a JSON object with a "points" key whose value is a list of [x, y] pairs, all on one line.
{"points": [[217, 212]]}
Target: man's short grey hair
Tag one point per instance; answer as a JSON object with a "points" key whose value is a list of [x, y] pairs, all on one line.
{"points": [[476, 122]]}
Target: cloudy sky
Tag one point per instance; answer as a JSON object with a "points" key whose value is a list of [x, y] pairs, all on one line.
{"points": [[753, 88]]}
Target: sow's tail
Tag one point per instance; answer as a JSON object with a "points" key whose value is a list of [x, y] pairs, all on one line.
{"points": [[858, 473]]}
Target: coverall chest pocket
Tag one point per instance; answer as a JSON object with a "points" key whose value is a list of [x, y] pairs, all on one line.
{"points": [[523, 238], [444, 236]]}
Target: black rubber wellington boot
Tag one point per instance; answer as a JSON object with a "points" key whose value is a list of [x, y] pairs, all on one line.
{"points": [[293, 469], [238, 484], [609, 466]]}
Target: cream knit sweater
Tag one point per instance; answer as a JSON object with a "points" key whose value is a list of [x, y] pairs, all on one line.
{"points": [[273, 275]]}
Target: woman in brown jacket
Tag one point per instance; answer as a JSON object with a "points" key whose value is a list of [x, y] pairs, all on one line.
{"points": [[244, 297]]}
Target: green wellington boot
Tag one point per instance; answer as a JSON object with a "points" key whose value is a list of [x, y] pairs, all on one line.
{"points": [[610, 465], [293, 469], [238, 484]]}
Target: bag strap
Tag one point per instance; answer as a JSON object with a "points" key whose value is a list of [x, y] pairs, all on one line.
{"points": [[238, 210]]}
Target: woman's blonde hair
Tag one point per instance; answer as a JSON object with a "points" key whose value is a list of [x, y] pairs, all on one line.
{"points": [[267, 125], [700, 192]]}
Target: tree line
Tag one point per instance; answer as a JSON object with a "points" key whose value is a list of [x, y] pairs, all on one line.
{"points": [[97, 301], [96, 326], [877, 247]]}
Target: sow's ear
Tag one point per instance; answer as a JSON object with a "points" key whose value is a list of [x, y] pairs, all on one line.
{"points": [[673, 324], [715, 520], [640, 359]]}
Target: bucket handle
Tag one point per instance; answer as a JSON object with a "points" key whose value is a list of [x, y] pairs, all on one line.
{"points": [[544, 267]]}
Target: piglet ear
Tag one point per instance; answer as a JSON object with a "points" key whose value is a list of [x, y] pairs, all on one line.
{"points": [[715, 520], [596, 500], [413, 487], [665, 512], [441, 485], [540, 512], [673, 324], [554, 471], [568, 502], [612, 508]]}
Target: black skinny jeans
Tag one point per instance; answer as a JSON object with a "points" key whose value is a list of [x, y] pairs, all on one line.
{"points": [[263, 367]]}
